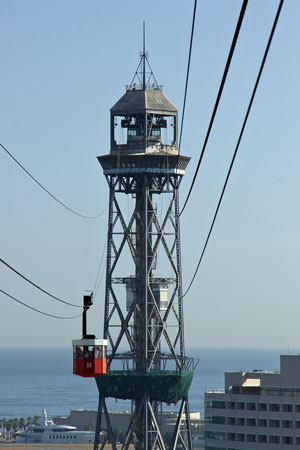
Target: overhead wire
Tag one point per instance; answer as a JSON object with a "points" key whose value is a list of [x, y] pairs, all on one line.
{"points": [[187, 74], [36, 286], [37, 310], [228, 62], [239, 140], [96, 288], [48, 192]]}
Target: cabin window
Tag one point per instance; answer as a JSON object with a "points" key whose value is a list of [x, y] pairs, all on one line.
{"points": [[100, 352], [79, 352], [89, 352]]}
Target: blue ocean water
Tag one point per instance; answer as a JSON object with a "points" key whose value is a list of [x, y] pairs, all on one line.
{"points": [[34, 379]]}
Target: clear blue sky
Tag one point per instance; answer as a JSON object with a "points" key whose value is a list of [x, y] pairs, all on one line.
{"points": [[63, 65]]}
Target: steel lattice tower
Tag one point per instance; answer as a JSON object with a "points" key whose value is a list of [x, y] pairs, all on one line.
{"points": [[143, 317]]}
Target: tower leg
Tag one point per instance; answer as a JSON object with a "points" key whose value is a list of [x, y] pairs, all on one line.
{"points": [[98, 423]]}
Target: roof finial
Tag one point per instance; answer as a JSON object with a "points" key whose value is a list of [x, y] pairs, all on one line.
{"points": [[139, 81], [144, 58]]}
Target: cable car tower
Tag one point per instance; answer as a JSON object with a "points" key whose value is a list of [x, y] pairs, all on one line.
{"points": [[143, 312]]}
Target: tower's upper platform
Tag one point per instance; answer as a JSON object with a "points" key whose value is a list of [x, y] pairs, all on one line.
{"points": [[143, 120], [143, 129]]}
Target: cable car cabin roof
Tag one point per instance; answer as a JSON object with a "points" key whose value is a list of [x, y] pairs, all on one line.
{"points": [[135, 101], [88, 342]]}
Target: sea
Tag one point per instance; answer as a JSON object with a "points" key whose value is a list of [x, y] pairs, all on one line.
{"points": [[34, 379]]}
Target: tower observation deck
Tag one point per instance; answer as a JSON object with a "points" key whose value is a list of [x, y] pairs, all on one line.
{"points": [[143, 311]]}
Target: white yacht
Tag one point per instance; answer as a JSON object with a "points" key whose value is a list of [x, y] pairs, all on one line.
{"points": [[49, 433]]}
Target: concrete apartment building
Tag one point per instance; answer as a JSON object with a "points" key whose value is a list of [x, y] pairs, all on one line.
{"points": [[257, 410]]}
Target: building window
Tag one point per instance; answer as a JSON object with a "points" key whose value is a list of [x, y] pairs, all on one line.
{"points": [[297, 423], [231, 420], [261, 422], [274, 407], [297, 441], [287, 408], [274, 423], [287, 424], [240, 421], [262, 407], [274, 439], [262, 438], [251, 438], [215, 419], [231, 405], [240, 437], [155, 132], [240, 405], [215, 435], [251, 422], [287, 440], [215, 404], [215, 448], [297, 408], [231, 436], [251, 406]]}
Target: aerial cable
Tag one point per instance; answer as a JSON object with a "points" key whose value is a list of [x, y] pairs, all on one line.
{"points": [[239, 140], [228, 62], [95, 289], [187, 75], [37, 310], [36, 286], [48, 192]]}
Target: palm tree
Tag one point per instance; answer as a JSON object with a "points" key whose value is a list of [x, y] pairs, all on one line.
{"points": [[8, 425], [21, 423], [3, 426], [36, 420], [29, 421], [14, 425]]}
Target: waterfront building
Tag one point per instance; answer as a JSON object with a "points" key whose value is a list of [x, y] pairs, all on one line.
{"points": [[86, 420], [256, 410]]}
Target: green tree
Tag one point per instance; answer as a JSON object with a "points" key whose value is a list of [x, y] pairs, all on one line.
{"points": [[21, 423], [29, 420], [3, 426], [36, 420], [8, 426]]}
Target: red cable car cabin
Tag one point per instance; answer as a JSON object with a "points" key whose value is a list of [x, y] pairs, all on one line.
{"points": [[89, 357]]}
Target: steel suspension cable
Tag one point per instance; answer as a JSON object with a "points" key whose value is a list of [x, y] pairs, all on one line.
{"points": [[36, 286], [187, 74], [48, 192], [228, 62], [96, 287], [239, 140], [37, 310]]}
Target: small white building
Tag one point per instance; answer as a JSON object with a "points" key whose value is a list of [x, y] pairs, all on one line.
{"points": [[257, 410]]}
